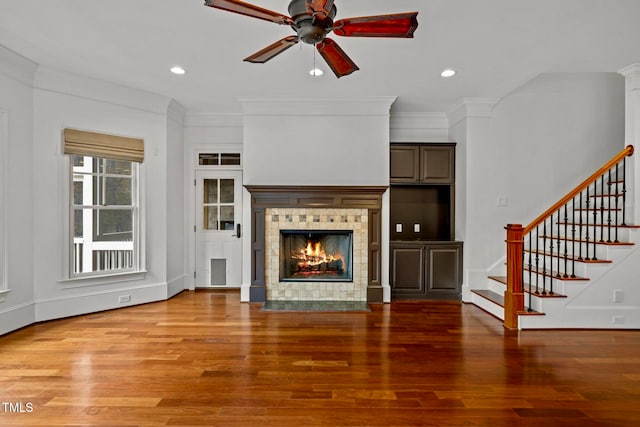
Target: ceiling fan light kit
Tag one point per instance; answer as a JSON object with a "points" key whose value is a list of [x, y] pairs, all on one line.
{"points": [[313, 20]]}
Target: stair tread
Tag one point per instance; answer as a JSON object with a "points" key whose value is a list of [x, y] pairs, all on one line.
{"points": [[631, 226], [589, 241], [528, 288], [553, 274], [490, 295], [569, 257], [499, 300]]}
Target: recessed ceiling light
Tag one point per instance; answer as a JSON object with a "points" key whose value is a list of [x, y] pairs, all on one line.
{"points": [[449, 72], [178, 70], [316, 72]]}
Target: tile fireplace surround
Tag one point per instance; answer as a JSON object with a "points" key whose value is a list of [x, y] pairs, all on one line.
{"points": [[355, 208], [276, 219]]}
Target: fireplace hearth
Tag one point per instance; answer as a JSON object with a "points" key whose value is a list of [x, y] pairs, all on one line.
{"points": [[316, 255]]}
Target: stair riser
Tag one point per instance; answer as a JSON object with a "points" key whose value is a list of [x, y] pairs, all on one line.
{"points": [[602, 251]]}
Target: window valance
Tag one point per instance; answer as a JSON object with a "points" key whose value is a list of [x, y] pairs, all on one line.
{"points": [[77, 142]]}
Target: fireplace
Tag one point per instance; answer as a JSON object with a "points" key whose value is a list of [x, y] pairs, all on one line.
{"points": [[347, 216], [316, 255]]}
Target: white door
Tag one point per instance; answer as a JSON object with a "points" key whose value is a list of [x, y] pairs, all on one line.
{"points": [[218, 230]]}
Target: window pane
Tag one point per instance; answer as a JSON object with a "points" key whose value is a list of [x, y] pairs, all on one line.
{"points": [[210, 191], [226, 218], [210, 218], [208, 159], [118, 191], [96, 184], [230, 159], [113, 225], [78, 161], [226, 191], [77, 222], [77, 192], [118, 167]]}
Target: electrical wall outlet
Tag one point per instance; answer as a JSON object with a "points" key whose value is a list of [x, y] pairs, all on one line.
{"points": [[124, 298], [617, 319], [398, 228], [502, 201], [416, 228]]}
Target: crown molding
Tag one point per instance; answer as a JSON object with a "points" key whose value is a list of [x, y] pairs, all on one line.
{"points": [[632, 75], [365, 106], [65, 83], [203, 119], [176, 112], [17, 67], [468, 108], [419, 127]]}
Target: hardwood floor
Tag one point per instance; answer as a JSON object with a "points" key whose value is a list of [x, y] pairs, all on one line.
{"points": [[204, 358]]}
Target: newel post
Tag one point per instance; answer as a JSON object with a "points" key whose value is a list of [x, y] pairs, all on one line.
{"points": [[513, 296]]}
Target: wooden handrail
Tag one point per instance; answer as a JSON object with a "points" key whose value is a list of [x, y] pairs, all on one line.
{"points": [[628, 151]]}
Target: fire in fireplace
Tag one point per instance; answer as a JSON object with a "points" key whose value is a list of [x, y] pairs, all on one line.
{"points": [[311, 255]]}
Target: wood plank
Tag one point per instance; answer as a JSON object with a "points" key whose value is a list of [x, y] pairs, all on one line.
{"points": [[204, 358]]}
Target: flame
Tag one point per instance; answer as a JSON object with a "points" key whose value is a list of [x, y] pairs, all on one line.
{"points": [[314, 254]]}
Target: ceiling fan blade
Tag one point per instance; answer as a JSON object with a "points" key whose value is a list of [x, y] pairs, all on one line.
{"points": [[249, 9], [322, 7], [272, 50], [338, 61], [394, 25]]}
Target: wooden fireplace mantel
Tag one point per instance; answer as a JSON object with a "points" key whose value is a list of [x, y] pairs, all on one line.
{"points": [[289, 196]]}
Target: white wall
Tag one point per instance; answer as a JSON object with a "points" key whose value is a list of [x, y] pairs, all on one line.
{"points": [[176, 201], [16, 113], [317, 141], [60, 101], [532, 147]]}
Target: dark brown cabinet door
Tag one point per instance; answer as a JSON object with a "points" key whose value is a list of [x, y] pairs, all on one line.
{"points": [[437, 164], [444, 270], [407, 266], [405, 163], [426, 270]]}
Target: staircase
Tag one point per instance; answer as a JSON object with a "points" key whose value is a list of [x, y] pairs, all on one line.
{"points": [[565, 258]]}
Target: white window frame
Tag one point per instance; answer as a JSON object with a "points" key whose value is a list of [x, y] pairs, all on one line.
{"points": [[106, 276]]}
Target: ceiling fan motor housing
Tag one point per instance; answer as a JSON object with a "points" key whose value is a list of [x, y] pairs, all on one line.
{"points": [[310, 29]]}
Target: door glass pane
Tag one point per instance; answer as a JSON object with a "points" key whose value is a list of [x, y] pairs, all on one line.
{"points": [[226, 190], [210, 191], [226, 218], [210, 218]]}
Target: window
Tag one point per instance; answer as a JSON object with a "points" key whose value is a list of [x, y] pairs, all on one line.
{"points": [[103, 209], [104, 215], [219, 159]]}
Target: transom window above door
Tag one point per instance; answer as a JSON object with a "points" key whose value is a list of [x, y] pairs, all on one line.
{"points": [[219, 159]]}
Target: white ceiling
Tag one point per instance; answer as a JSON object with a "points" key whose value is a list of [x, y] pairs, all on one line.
{"points": [[495, 45]]}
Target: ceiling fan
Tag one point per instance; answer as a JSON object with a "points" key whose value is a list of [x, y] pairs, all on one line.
{"points": [[312, 20]]}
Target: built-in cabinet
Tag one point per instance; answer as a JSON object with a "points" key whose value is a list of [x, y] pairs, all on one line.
{"points": [[426, 262], [431, 270]]}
